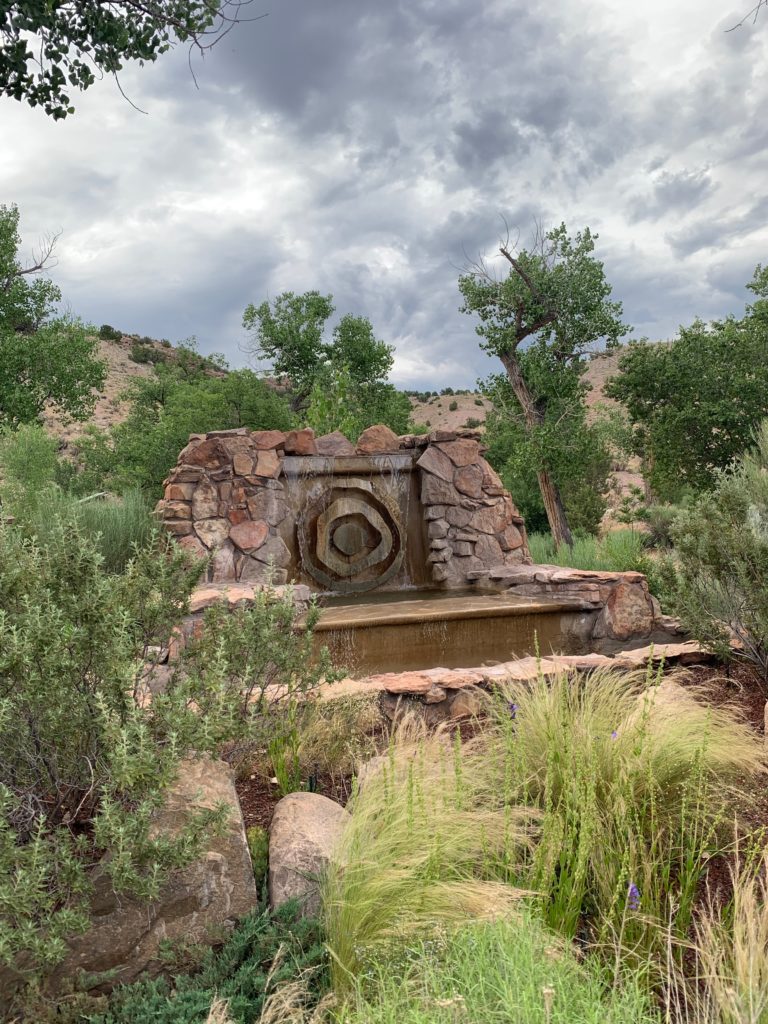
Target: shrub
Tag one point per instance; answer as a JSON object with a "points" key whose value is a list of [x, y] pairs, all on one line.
{"points": [[76, 746], [267, 950], [453, 406], [118, 526], [618, 551], [141, 353], [722, 549], [660, 520], [28, 464], [31, 493], [633, 780], [410, 861], [504, 971], [473, 422], [179, 400], [479, 401], [84, 758], [107, 333]]}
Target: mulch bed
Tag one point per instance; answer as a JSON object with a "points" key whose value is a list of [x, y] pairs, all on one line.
{"points": [[258, 795], [741, 686]]}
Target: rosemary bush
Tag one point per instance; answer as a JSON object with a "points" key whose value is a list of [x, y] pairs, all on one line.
{"points": [[85, 755]]}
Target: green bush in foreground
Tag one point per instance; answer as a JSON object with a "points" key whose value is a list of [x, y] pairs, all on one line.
{"points": [[496, 973], [267, 950], [85, 758]]}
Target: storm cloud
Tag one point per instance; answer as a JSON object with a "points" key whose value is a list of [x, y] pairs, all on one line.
{"points": [[369, 150]]}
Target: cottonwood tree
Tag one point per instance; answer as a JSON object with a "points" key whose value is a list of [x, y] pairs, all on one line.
{"points": [[290, 333], [694, 402], [542, 319], [45, 359], [47, 49]]}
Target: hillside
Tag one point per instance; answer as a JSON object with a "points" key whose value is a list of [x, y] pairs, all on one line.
{"points": [[437, 414]]}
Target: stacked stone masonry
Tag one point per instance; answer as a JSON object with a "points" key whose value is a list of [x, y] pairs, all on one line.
{"points": [[390, 511]]}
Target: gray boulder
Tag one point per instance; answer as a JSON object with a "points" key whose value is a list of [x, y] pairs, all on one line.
{"points": [[306, 828]]}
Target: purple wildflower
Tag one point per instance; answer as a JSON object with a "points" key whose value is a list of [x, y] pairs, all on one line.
{"points": [[633, 897], [512, 710], [614, 735]]}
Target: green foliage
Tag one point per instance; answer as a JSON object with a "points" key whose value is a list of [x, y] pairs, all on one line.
{"points": [[577, 452], [342, 383], [182, 398], [696, 401], [632, 779], [509, 970], [618, 551], [660, 520], [140, 353], [556, 293], [75, 744], [722, 561], [30, 491], [28, 462], [453, 406], [266, 951], [408, 862], [45, 360], [258, 847], [47, 51], [84, 758], [283, 750], [107, 333], [479, 401], [337, 402], [472, 422], [289, 334]]}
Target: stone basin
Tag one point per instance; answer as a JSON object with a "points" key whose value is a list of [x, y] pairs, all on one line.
{"points": [[397, 632]]}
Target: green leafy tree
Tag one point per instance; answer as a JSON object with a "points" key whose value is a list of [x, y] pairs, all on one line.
{"points": [[182, 398], [542, 320], [352, 367], [289, 334], [337, 402], [696, 401], [578, 451], [48, 49], [45, 360]]}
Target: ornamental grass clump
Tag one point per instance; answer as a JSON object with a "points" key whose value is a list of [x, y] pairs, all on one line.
{"points": [[731, 945], [416, 853], [495, 973], [635, 779]]}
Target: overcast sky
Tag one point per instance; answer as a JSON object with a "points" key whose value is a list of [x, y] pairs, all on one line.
{"points": [[363, 148]]}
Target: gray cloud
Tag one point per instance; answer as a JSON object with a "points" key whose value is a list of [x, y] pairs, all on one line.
{"points": [[369, 149]]}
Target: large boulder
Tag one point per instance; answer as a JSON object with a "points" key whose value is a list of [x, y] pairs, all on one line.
{"points": [[195, 905], [306, 828]]}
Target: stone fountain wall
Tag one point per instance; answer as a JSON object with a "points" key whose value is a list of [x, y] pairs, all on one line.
{"points": [[388, 513]]}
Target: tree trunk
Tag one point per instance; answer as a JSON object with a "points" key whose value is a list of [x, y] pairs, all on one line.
{"points": [[553, 504], [550, 492]]}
